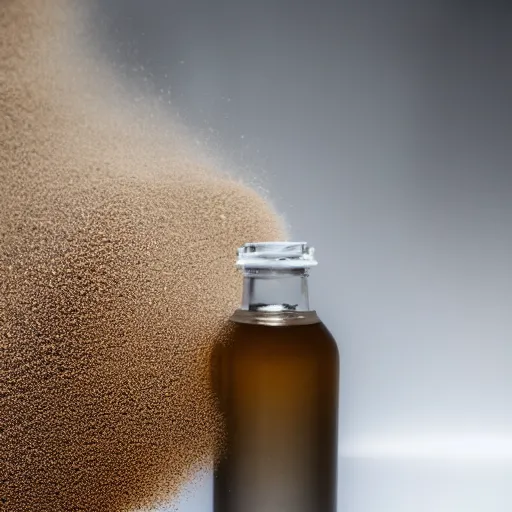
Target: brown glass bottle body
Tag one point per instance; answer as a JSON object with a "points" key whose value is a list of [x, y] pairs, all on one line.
{"points": [[276, 380]]}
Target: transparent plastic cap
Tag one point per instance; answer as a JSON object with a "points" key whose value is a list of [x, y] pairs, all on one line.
{"points": [[276, 255]]}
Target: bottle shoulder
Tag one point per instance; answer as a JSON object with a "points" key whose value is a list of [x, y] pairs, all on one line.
{"points": [[303, 335], [275, 318]]}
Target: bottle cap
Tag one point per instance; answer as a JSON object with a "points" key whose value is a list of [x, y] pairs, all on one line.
{"points": [[276, 255]]}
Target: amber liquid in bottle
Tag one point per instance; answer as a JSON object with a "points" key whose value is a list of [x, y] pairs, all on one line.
{"points": [[276, 380]]}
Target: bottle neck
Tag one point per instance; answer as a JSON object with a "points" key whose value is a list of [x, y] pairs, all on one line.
{"points": [[275, 290]]}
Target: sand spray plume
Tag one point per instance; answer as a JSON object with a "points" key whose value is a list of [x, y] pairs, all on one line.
{"points": [[116, 274]]}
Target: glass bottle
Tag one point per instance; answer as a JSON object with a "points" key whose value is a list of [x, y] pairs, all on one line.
{"points": [[276, 379]]}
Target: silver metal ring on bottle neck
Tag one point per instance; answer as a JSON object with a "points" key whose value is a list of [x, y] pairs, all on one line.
{"points": [[276, 255]]}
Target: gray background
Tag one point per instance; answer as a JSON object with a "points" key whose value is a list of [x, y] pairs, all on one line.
{"points": [[383, 132]]}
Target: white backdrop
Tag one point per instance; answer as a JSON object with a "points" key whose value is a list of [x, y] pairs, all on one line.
{"points": [[382, 131]]}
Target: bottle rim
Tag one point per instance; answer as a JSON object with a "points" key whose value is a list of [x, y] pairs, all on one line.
{"points": [[276, 255]]}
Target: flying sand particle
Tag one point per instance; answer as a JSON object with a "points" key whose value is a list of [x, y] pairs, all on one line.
{"points": [[115, 278]]}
